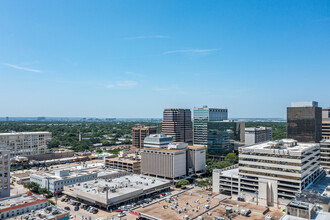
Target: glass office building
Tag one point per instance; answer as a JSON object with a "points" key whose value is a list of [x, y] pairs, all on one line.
{"points": [[224, 137], [201, 117]]}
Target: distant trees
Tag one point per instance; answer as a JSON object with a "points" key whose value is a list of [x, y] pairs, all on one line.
{"points": [[278, 128], [231, 158]]}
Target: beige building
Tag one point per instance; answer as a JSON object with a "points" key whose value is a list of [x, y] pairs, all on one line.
{"points": [[127, 164], [325, 155], [139, 133], [25, 143], [176, 161], [326, 124]]}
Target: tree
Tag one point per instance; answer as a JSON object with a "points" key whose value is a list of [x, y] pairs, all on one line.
{"points": [[231, 158], [181, 183], [99, 151], [205, 184]]}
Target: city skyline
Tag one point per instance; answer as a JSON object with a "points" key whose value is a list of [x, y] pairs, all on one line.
{"points": [[102, 59]]}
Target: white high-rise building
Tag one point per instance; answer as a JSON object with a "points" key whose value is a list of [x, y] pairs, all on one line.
{"points": [[257, 135], [25, 143], [271, 173], [4, 173]]}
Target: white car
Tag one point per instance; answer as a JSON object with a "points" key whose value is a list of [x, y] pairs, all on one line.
{"points": [[121, 215]]}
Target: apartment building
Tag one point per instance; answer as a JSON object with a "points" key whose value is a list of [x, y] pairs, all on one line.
{"points": [[271, 173], [325, 154], [257, 135], [4, 173], [177, 124], [304, 122], [139, 133], [326, 124], [25, 143], [131, 165], [201, 117], [157, 140]]}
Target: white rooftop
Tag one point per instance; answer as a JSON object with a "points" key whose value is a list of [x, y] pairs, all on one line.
{"points": [[123, 186], [25, 133], [284, 146]]}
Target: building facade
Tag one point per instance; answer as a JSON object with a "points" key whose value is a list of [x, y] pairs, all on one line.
{"points": [[21, 204], [129, 165], [139, 133], [201, 117], [271, 173], [326, 124], [257, 135], [196, 159], [25, 143], [157, 140], [164, 163], [177, 124], [325, 155], [4, 173], [224, 137], [304, 122]]}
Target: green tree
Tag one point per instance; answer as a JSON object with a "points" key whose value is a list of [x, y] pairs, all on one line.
{"points": [[181, 183], [231, 158]]}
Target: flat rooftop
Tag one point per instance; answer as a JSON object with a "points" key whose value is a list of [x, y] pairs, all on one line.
{"points": [[20, 201], [285, 146], [125, 185], [319, 216], [164, 150], [124, 160], [25, 133], [231, 173]]}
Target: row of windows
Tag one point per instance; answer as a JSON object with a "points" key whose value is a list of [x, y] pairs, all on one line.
{"points": [[270, 161], [270, 155], [269, 174], [270, 168]]}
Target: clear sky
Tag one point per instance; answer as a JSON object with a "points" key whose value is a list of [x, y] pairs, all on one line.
{"points": [[134, 58]]}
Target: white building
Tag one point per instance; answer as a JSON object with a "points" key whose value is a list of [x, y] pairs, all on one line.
{"points": [[25, 143], [271, 173], [21, 204], [257, 135], [177, 160], [157, 140], [54, 180], [118, 191], [325, 154], [4, 173]]}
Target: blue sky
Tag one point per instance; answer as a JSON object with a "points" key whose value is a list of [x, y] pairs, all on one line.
{"points": [[135, 58]]}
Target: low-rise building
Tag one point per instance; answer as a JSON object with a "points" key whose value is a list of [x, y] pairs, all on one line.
{"points": [[271, 173], [131, 165], [257, 135], [111, 194], [157, 140], [54, 180], [21, 204]]}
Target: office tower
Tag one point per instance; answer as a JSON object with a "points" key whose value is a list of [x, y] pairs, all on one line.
{"points": [[304, 122], [224, 137], [139, 133], [175, 161], [326, 124], [4, 173], [325, 155], [257, 135], [25, 143], [201, 117], [157, 140], [177, 124], [271, 173]]}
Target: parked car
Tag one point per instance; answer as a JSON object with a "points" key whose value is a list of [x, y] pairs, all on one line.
{"points": [[67, 208], [121, 215], [118, 210], [76, 208], [62, 200]]}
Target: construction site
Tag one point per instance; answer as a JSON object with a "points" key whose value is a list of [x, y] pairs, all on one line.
{"points": [[199, 204]]}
